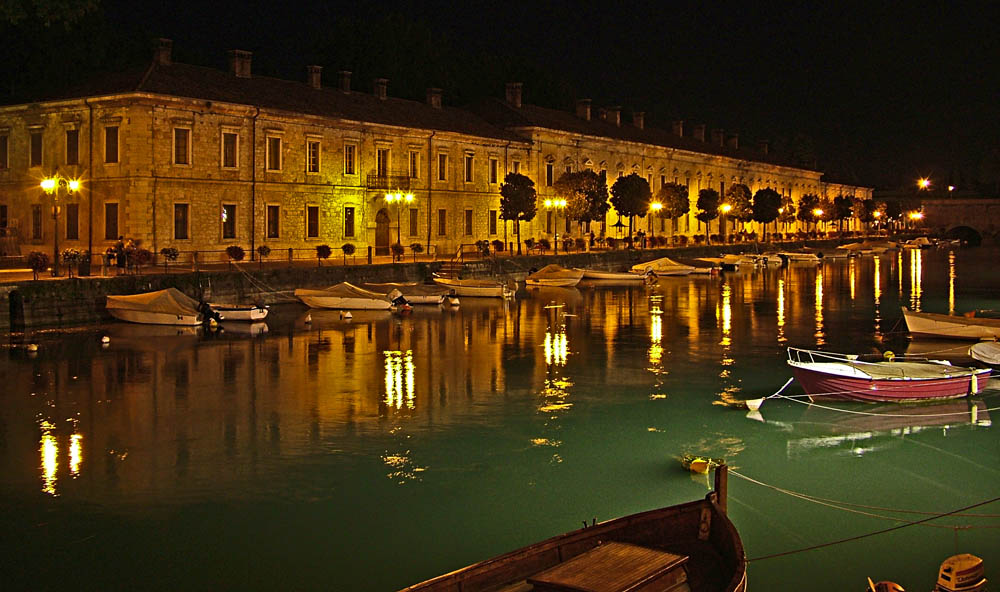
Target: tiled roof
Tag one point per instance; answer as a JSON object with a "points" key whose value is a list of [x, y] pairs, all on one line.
{"points": [[197, 82], [502, 114]]}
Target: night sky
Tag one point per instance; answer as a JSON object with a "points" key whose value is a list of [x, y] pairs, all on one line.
{"points": [[876, 93]]}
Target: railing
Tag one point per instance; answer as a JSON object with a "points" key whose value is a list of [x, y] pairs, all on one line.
{"points": [[391, 181]]}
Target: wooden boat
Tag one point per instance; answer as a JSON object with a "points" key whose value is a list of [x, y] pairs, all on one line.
{"points": [[799, 256], [952, 327], [555, 276], [618, 276], [413, 292], [701, 266], [347, 296], [826, 375], [476, 288], [162, 307], [987, 352], [662, 266], [241, 312], [691, 546]]}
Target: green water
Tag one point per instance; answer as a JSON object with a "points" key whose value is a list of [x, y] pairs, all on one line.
{"points": [[374, 453]]}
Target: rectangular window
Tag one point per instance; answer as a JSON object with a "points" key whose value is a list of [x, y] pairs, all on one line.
{"points": [[312, 156], [312, 221], [273, 157], [348, 222], [442, 222], [3, 151], [36, 221], [468, 168], [72, 147], [181, 222], [468, 222], [494, 171], [228, 220], [516, 167], [382, 162], [549, 172], [230, 149], [182, 146], [414, 221], [111, 144], [3, 216], [72, 221], [414, 164], [36, 149], [349, 151], [442, 167], [110, 221], [663, 181], [273, 219], [548, 222], [493, 222]]}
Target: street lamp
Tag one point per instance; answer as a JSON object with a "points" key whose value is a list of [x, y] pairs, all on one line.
{"points": [[52, 185], [923, 183], [556, 204], [398, 198], [817, 212], [657, 207], [725, 209]]}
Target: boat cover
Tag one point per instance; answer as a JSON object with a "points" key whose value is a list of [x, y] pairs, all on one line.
{"points": [[554, 271], [169, 301], [343, 290], [910, 370], [986, 351], [408, 289], [661, 264]]}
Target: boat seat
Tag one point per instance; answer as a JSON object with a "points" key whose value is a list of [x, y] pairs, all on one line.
{"points": [[616, 567]]}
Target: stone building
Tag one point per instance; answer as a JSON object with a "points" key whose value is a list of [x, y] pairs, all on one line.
{"points": [[198, 159]]}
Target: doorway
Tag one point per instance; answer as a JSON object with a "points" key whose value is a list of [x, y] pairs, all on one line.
{"points": [[382, 233]]}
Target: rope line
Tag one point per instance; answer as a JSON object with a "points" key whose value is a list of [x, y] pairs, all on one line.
{"points": [[914, 415], [263, 287]]}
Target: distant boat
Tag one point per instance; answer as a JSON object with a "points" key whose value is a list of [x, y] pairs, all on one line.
{"points": [[162, 307], [413, 292], [799, 256], [555, 276], [833, 376], [619, 276], [475, 288], [662, 266], [691, 546], [951, 327], [987, 352], [240, 312], [347, 296]]}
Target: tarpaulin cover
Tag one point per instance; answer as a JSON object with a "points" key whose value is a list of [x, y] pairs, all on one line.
{"points": [[170, 301]]}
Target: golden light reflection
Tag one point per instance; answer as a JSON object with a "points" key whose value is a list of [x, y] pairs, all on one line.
{"points": [[726, 314], [556, 347], [75, 454], [399, 379], [781, 310], [951, 282], [819, 307], [401, 467], [49, 449], [852, 271], [916, 274], [878, 280], [656, 337], [899, 271]]}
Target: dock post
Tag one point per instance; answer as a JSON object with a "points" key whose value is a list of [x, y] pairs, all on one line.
{"points": [[722, 486]]}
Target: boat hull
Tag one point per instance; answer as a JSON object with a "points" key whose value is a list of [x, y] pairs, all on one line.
{"points": [[248, 314], [473, 288], [337, 302], [619, 276], [553, 282], [823, 386], [951, 327], [155, 318]]}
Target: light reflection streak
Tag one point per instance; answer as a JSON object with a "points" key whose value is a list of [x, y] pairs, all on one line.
{"points": [[852, 276], [781, 310], [878, 296], [75, 454], [656, 338], [49, 450], [556, 348], [399, 379], [951, 282], [726, 310], [899, 270], [819, 307], [916, 274]]}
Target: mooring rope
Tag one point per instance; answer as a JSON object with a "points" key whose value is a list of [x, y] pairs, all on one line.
{"points": [[263, 287], [795, 399], [931, 517]]}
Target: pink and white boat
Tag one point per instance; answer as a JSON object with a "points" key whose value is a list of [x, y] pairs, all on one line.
{"points": [[833, 376]]}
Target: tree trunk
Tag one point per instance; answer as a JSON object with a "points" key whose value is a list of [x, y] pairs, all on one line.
{"points": [[517, 232]]}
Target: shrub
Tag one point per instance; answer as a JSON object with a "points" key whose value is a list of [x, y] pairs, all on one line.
{"points": [[498, 246], [581, 244], [235, 253], [322, 252], [38, 262], [568, 244], [682, 240], [612, 242], [143, 257], [529, 243], [397, 251], [416, 248], [544, 244], [348, 249]]}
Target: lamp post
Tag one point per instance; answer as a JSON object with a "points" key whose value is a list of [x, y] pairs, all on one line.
{"points": [[52, 185], [398, 198], [724, 209], [556, 204], [923, 183], [816, 214], [656, 207]]}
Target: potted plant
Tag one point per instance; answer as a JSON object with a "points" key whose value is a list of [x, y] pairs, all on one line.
{"points": [[397, 251], [262, 252], [416, 248], [544, 244], [497, 245], [142, 257], [529, 243], [71, 257], [38, 262], [170, 255], [348, 249], [569, 243], [322, 252], [235, 253]]}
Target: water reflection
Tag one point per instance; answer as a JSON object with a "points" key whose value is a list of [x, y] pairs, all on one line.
{"points": [[49, 449], [819, 335], [951, 282], [916, 277]]}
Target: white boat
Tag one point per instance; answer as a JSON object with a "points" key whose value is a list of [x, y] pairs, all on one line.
{"points": [[162, 307], [476, 288], [413, 292], [662, 266], [951, 327], [618, 276], [240, 312], [987, 352], [799, 256], [555, 276], [347, 296]]}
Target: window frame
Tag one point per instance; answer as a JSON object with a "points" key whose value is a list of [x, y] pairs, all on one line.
{"points": [[413, 162], [185, 207], [442, 222], [33, 135], [187, 146], [469, 222], [222, 148], [272, 231], [550, 173], [494, 216], [350, 222], [469, 167], [4, 149], [107, 145], [311, 143], [414, 222], [75, 208], [310, 210], [75, 152], [36, 222], [227, 222], [350, 158], [383, 160], [442, 166], [270, 153], [108, 205], [494, 172]]}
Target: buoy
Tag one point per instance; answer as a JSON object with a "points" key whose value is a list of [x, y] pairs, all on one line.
{"points": [[888, 355], [754, 404], [348, 315], [309, 319], [105, 339], [974, 387], [32, 347]]}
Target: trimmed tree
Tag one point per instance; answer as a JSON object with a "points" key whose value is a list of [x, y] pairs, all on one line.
{"points": [[807, 203], [322, 252], [766, 203], [348, 249], [738, 196], [786, 213], [674, 198], [708, 209], [630, 195], [586, 195], [518, 201], [843, 208], [865, 212]]}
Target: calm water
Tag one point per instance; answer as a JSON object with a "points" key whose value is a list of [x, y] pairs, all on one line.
{"points": [[372, 454]]}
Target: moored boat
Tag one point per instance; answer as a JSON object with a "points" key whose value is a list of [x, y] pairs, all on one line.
{"points": [[827, 375], [413, 292], [691, 546], [952, 327], [799, 256], [555, 276], [162, 307], [618, 276], [347, 296], [240, 312], [475, 288], [987, 352], [662, 266]]}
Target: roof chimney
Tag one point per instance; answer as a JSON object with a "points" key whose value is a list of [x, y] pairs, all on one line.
{"points": [[239, 63], [161, 53], [344, 80], [718, 137], [381, 88], [763, 146], [313, 75], [615, 116], [434, 97], [699, 132], [583, 109], [514, 94], [638, 119], [679, 128], [733, 141]]}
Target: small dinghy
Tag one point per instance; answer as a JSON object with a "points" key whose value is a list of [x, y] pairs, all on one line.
{"points": [[987, 352]]}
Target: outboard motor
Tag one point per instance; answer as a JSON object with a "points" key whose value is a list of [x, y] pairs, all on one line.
{"points": [[208, 314], [401, 304]]}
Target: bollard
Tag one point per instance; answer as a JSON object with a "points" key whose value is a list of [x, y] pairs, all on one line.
{"points": [[369, 255]]}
